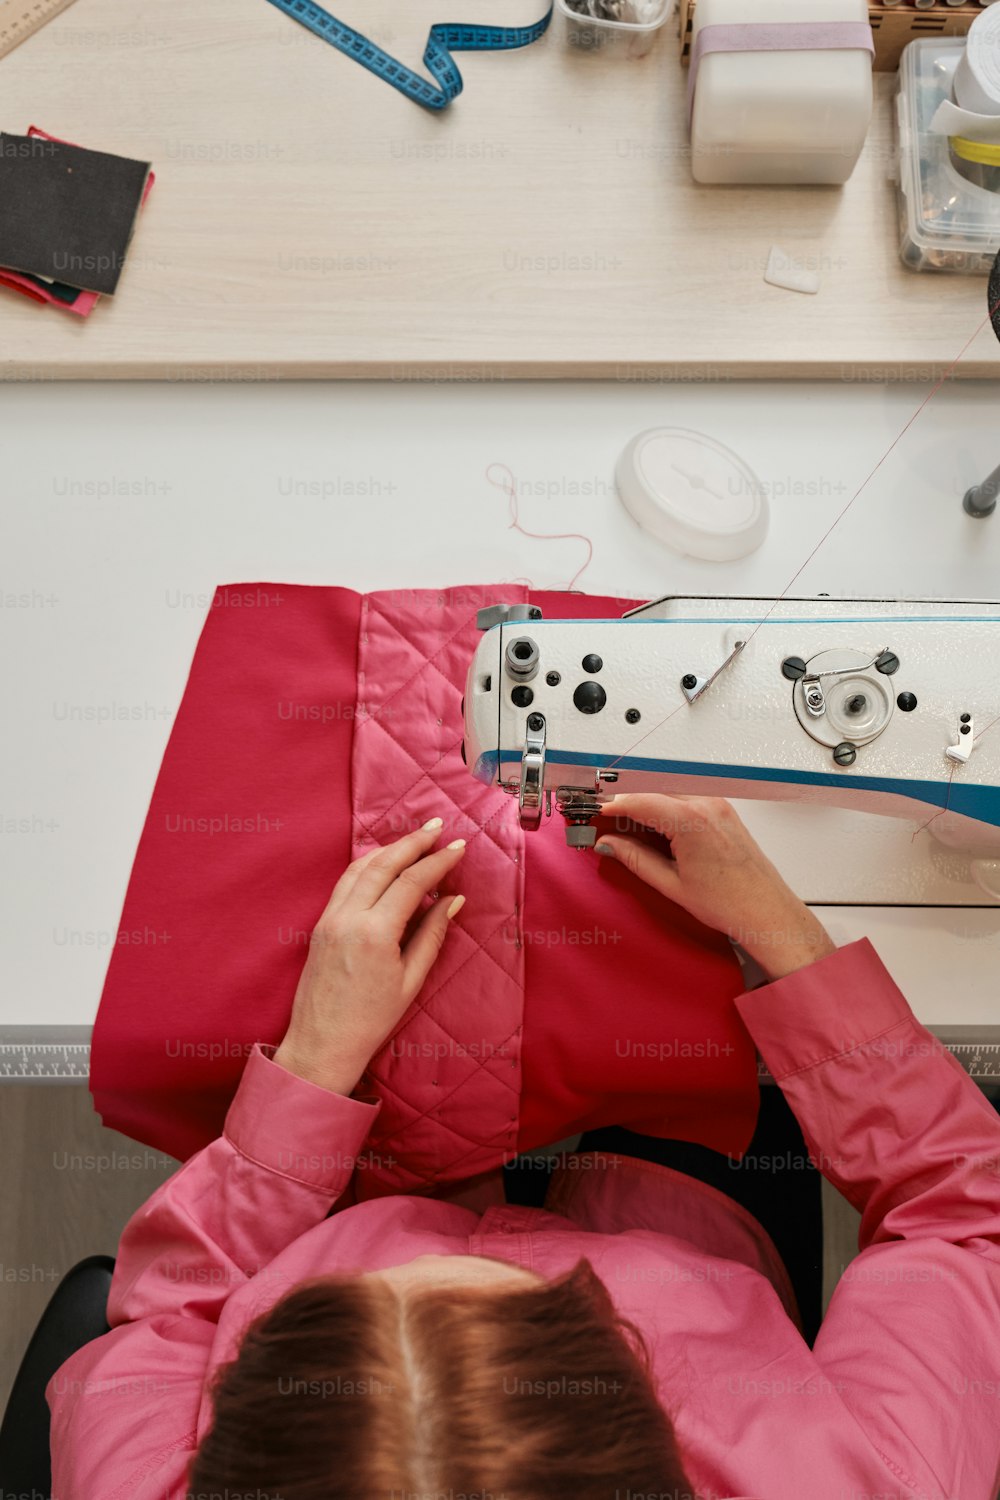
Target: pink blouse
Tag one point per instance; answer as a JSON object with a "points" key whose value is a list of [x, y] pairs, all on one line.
{"points": [[899, 1398]]}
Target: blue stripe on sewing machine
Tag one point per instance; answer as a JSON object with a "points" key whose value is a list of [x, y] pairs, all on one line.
{"points": [[776, 620], [980, 802], [442, 41]]}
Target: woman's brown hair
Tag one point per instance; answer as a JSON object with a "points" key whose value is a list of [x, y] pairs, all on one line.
{"points": [[349, 1390]]}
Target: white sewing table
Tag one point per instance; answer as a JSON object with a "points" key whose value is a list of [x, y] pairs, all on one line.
{"points": [[127, 503]]}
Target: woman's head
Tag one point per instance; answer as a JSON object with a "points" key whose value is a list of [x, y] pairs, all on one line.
{"points": [[450, 1376]]}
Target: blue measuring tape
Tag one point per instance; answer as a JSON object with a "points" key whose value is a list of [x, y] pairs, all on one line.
{"points": [[444, 39]]}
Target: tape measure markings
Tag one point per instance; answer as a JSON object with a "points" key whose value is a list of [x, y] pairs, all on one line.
{"points": [[443, 39]]}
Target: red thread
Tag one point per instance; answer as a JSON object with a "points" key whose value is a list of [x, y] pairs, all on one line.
{"points": [[509, 486], [941, 810]]}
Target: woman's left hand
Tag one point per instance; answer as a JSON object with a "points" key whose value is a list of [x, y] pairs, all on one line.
{"points": [[360, 977]]}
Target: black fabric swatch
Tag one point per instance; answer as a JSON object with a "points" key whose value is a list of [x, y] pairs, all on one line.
{"points": [[65, 212]]}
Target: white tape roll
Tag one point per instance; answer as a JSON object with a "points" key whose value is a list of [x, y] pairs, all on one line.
{"points": [[977, 77]]}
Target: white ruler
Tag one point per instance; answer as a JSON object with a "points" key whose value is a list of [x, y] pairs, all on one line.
{"points": [[20, 19]]}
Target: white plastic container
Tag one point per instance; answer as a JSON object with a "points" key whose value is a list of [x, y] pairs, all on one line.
{"points": [[627, 38], [780, 116], [947, 222]]}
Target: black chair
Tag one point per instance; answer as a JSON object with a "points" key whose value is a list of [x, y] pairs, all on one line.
{"points": [[774, 1183], [76, 1314]]}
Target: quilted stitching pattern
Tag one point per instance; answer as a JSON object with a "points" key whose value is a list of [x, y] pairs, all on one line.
{"points": [[450, 1077]]}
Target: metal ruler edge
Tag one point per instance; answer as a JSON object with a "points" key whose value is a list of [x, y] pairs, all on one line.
{"points": [[45, 1054], [34, 1054]]}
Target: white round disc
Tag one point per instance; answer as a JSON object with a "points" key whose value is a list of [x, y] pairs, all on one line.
{"points": [[693, 493]]}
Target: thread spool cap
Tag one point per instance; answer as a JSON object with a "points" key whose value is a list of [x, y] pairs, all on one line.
{"points": [[693, 493]]}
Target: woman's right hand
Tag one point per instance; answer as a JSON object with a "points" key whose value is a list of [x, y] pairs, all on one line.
{"points": [[718, 873]]}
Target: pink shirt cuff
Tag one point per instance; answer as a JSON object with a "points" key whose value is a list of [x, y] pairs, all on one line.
{"points": [[295, 1128], [827, 1009]]}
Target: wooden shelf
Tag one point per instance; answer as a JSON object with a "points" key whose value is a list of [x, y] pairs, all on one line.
{"points": [[310, 222]]}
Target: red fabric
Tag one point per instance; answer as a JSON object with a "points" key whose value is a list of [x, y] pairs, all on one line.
{"points": [[249, 827], [629, 1016], [11, 279]]}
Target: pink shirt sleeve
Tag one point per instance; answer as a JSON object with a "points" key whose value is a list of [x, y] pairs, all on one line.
{"points": [[912, 1334], [125, 1407]]}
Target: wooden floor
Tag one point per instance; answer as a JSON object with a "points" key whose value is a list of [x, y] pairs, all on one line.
{"points": [[68, 1186]]}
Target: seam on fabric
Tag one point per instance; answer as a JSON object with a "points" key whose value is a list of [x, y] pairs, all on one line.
{"points": [[407, 682], [843, 1052], [424, 660], [425, 772], [481, 1069], [445, 983], [287, 1176], [426, 1113], [188, 1442]]}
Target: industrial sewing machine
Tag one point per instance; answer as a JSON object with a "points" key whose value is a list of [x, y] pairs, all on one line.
{"points": [[883, 706]]}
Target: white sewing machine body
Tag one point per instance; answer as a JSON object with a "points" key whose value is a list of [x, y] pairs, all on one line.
{"points": [[875, 705]]}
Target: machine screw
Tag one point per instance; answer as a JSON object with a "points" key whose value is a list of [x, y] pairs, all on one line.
{"points": [[536, 722], [632, 716], [965, 719], [553, 679], [689, 680], [965, 729], [815, 699], [888, 662], [793, 667], [907, 702], [845, 754]]}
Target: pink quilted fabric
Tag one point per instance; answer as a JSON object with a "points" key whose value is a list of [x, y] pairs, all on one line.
{"points": [[452, 1097], [291, 688]]}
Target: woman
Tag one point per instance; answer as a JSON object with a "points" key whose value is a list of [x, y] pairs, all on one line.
{"points": [[636, 1337]]}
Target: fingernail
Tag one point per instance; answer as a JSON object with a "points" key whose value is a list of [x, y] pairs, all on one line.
{"points": [[456, 906], [603, 849], [432, 823], [456, 844]]}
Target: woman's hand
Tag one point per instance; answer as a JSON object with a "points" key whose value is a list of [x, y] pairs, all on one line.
{"points": [[718, 873], [360, 977]]}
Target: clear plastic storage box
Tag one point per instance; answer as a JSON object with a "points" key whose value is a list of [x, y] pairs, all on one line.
{"points": [[949, 209]]}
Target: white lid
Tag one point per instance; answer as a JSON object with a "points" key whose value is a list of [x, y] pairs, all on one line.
{"points": [[693, 493]]}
